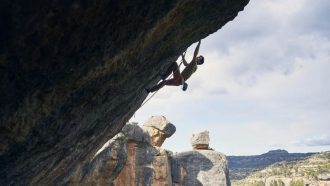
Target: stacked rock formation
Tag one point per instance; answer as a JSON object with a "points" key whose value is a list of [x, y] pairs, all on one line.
{"points": [[202, 166], [132, 157], [147, 163], [200, 140], [135, 157]]}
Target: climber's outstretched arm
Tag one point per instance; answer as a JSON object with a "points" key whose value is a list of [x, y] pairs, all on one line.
{"points": [[184, 60], [196, 50]]}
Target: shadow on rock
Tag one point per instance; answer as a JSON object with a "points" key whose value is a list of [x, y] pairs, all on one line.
{"points": [[187, 166]]}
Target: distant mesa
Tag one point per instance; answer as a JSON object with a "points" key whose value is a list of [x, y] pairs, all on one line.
{"points": [[278, 152]]}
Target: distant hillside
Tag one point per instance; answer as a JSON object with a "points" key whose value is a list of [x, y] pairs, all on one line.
{"points": [[242, 166], [300, 172]]}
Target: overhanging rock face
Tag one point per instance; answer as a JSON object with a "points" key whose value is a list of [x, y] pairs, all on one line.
{"points": [[73, 72]]}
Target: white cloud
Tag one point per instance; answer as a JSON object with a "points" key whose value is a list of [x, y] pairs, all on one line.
{"points": [[322, 140]]}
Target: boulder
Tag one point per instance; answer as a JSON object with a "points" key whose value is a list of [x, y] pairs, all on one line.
{"points": [[130, 158], [200, 167], [146, 165], [162, 124], [132, 131], [158, 128], [200, 140]]}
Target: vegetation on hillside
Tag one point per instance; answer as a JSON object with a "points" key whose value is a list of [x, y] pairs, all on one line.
{"points": [[298, 172]]}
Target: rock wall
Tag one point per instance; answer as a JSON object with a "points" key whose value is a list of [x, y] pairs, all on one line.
{"points": [[147, 164], [202, 166], [73, 72]]}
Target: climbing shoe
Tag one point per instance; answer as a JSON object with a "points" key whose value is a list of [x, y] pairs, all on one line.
{"points": [[184, 86]]}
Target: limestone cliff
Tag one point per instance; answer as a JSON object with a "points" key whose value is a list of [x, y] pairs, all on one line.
{"points": [[73, 72]]}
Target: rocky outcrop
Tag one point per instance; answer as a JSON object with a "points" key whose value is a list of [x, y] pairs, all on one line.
{"points": [[159, 128], [128, 159], [107, 163], [147, 163], [200, 140], [131, 159], [201, 166], [73, 72]]}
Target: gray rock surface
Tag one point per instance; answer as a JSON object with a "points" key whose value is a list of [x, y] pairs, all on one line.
{"points": [[200, 140], [200, 168], [162, 124], [146, 164], [72, 73], [129, 159], [105, 166], [133, 131]]}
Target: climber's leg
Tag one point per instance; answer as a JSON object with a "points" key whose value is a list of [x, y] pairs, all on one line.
{"points": [[173, 68], [170, 82]]}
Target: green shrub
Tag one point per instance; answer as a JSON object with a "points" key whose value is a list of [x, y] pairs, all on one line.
{"points": [[277, 183], [297, 183], [257, 183], [280, 183], [273, 183]]}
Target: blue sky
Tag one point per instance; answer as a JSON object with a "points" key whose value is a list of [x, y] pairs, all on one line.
{"points": [[264, 85]]}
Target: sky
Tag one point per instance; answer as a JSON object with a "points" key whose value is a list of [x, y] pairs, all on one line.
{"points": [[264, 84]]}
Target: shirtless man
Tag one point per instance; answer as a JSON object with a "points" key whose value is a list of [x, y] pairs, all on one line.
{"points": [[180, 78]]}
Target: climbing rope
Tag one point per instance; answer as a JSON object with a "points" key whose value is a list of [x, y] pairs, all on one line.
{"points": [[184, 53]]}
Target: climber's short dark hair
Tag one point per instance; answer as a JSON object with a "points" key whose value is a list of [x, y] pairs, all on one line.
{"points": [[200, 60]]}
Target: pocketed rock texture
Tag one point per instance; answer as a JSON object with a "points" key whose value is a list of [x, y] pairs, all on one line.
{"points": [[73, 72]]}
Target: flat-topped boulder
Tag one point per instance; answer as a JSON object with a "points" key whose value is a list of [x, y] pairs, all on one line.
{"points": [[200, 140]]}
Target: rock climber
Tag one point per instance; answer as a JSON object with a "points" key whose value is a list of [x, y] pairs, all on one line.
{"points": [[180, 78]]}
